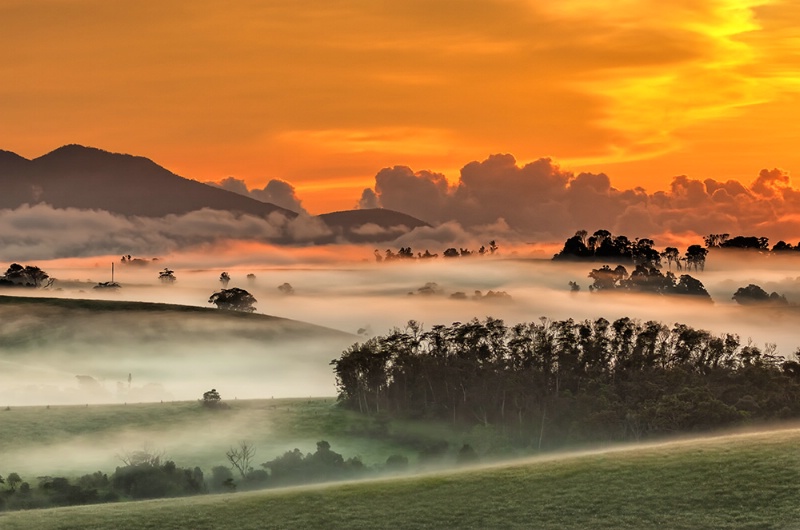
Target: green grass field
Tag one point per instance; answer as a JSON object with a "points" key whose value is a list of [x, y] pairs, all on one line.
{"points": [[74, 440], [735, 481]]}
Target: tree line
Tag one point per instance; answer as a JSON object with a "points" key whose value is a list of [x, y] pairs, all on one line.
{"points": [[548, 383]]}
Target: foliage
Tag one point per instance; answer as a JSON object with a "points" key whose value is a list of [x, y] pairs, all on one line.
{"points": [[734, 482], [212, 399], [234, 299], [167, 276], [645, 279], [24, 276], [548, 383], [753, 294]]}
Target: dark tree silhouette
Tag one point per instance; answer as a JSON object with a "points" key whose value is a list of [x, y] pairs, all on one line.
{"points": [[212, 399], [27, 276], [234, 299], [696, 257], [754, 294], [167, 276], [224, 279]]}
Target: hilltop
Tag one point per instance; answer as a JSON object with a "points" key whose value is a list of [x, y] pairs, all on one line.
{"points": [[83, 351]]}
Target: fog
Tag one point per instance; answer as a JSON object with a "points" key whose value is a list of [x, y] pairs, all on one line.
{"points": [[177, 356]]}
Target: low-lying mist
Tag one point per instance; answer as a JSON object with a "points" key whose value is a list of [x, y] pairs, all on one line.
{"points": [[177, 355]]}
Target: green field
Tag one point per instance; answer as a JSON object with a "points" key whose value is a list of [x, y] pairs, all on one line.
{"points": [[735, 481], [74, 440]]}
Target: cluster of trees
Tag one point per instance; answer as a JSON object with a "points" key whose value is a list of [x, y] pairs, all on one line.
{"points": [[644, 279], [543, 384], [604, 246], [147, 475], [24, 276], [757, 243], [755, 295], [143, 477], [406, 253]]}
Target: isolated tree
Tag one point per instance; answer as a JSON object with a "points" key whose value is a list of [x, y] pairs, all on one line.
{"points": [[251, 278], [286, 288], [224, 278], [241, 457], [234, 299], [167, 276], [212, 399]]}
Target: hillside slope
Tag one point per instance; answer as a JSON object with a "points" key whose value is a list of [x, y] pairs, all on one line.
{"points": [[741, 481], [170, 352]]}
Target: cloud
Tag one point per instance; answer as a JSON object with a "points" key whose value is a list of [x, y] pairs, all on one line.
{"points": [[43, 232], [540, 201], [276, 191]]}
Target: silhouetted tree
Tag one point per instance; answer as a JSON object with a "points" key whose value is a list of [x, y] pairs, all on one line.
{"points": [[671, 254], [753, 294], [167, 276], [234, 299], [27, 276], [286, 288], [696, 257], [224, 279]]}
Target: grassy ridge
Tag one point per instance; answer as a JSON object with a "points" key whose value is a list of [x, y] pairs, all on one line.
{"points": [[742, 481]]}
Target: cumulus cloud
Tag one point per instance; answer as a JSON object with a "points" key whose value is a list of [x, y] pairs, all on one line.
{"points": [[276, 191], [41, 231], [541, 201]]}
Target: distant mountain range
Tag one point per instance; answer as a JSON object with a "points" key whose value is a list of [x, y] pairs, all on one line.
{"points": [[74, 176]]}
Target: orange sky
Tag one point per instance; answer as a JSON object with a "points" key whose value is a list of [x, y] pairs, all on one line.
{"points": [[324, 93]]}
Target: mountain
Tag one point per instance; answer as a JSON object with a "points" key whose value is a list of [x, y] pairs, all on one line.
{"points": [[74, 176], [81, 177], [370, 225]]}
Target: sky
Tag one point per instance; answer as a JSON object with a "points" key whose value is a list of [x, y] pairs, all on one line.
{"points": [[324, 94]]}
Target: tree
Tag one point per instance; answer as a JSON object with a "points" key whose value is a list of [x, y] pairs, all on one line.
{"points": [[234, 299], [286, 288], [28, 276], [696, 257], [240, 457], [13, 479], [753, 294], [224, 278], [167, 276], [212, 399], [671, 254]]}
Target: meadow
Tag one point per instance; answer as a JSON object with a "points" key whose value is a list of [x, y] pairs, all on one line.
{"points": [[746, 480], [74, 440]]}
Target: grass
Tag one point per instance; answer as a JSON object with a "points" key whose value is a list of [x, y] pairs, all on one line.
{"points": [[736, 481], [74, 440]]}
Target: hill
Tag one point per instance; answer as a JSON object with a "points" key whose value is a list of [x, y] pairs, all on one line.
{"points": [[170, 352], [737, 481], [370, 225], [75, 176]]}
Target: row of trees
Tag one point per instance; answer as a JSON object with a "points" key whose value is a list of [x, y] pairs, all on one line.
{"points": [[604, 246], [405, 253], [549, 382]]}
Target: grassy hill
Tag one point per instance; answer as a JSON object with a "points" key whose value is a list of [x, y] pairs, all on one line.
{"points": [[735, 481], [171, 352]]}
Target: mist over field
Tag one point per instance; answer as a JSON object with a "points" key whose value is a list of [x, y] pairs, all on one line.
{"points": [[177, 356]]}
